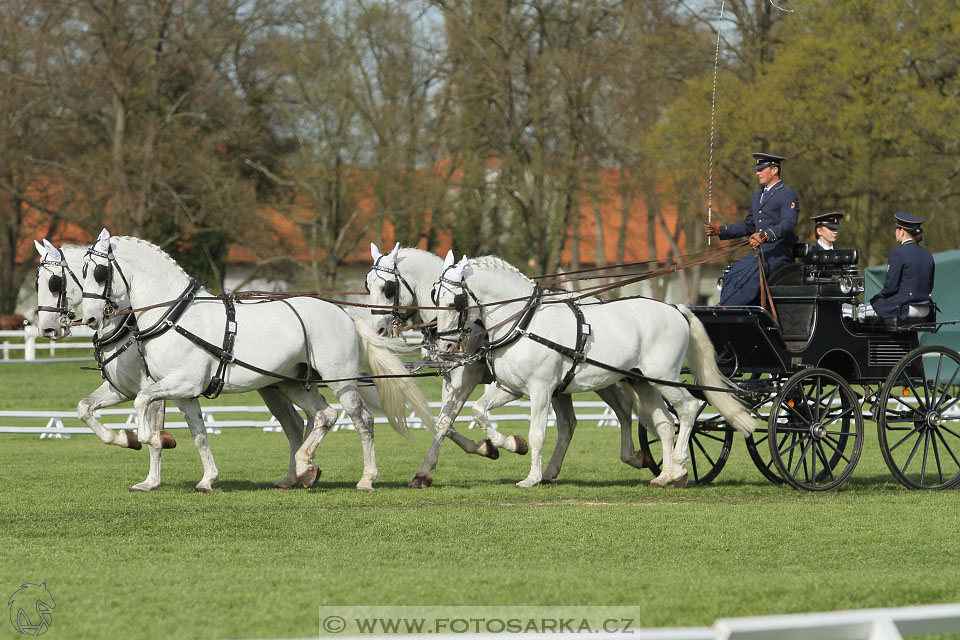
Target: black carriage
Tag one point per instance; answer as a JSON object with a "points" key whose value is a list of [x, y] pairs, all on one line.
{"points": [[813, 373]]}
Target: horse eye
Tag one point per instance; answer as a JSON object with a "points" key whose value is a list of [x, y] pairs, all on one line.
{"points": [[55, 283], [390, 289], [100, 273]]}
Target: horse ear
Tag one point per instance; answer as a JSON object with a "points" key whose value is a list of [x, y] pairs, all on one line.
{"points": [[449, 260], [40, 249], [103, 243], [395, 252], [374, 252]]}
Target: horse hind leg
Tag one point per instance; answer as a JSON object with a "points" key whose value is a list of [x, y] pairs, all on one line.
{"points": [[362, 419], [319, 414], [686, 407], [190, 409], [622, 405], [654, 412], [292, 425]]}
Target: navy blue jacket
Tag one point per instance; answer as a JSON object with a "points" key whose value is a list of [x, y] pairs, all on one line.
{"points": [[777, 216], [910, 270]]}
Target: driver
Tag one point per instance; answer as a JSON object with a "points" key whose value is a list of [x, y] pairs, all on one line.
{"points": [[770, 225]]}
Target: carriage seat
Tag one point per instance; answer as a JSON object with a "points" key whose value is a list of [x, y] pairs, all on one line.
{"points": [[836, 257]]}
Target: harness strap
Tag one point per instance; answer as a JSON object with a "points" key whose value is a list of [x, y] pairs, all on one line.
{"points": [[173, 314], [226, 353], [583, 330], [633, 374]]}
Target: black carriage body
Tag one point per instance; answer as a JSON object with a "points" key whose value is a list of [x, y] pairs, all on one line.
{"points": [[812, 331]]}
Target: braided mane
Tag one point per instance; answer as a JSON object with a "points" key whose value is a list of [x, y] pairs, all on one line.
{"points": [[495, 262], [154, 248]]}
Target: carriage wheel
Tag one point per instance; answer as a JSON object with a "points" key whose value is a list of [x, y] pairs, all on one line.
{"points": [[709, 446], [918, 419], [815, 430]]}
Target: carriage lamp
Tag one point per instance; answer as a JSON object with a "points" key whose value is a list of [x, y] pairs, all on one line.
{"points": [[846, 284], [906, 392]]}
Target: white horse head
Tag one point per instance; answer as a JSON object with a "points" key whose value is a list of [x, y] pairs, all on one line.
{"points": [[58, 291], [402, 278], [464, 286]]}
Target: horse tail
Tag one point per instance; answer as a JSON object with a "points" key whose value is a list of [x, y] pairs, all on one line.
{"points": [[381, 357], [703, 362]]}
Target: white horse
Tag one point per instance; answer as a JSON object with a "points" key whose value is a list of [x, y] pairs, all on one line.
{"points": [[59, 296], [196, 344], [404, 277], [527, 337]]}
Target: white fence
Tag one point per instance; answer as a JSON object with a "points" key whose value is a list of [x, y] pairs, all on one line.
{"points": [[217, 418], [25, 345]]}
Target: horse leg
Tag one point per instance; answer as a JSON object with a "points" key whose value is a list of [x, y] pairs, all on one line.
{"points": [[171, 387], [466, 380], [491, 399], [319, 414], [456, 389], [156, 413], [539, 405], [106, 396], [654, 412], [190, 409], [292, 425], [686, 407], [566, 423], [362, 419], [622, 406]]}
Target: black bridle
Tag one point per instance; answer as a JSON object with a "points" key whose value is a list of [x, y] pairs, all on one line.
{"points": [[460, 305], [103, 274], [391, 290], [57, 284]]}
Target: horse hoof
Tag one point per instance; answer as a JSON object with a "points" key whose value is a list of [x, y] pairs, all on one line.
{"points": [[521, 445], [655, 484], [310, 477], [364, 489], [547, 481], [488, 450], [279, 484], [166, 440], [681, 482], [132, 442], [202, 490], [136, 489], [420, 482]]}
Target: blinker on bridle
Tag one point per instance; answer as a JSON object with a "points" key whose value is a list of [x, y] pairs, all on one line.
{"points": [[391, 291], [103, 274], [57, 285]]}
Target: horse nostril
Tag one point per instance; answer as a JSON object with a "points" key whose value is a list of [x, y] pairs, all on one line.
{"points": [[49, 333], [380, 331]]}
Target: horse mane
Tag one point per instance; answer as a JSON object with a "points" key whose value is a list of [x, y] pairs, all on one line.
{"points": [[496, 263], [154, 248]]}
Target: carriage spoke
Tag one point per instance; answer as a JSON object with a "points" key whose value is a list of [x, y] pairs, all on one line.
{"points": [[836, 447], [947, 446], [823, 458], [906, 464], [936, 456], [916, 394], [952, 404], [926, 451], [909, 407], [905, 438], [844, 413], [803, 458]]}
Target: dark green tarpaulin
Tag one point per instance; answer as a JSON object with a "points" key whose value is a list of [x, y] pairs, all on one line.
{"points": [[946, 293]]}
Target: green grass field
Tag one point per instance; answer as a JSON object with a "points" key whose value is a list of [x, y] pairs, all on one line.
{"points": [[248, 561]]}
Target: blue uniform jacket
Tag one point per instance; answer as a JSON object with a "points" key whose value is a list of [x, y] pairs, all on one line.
{"points": [[777, 217], [910, 270]]}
